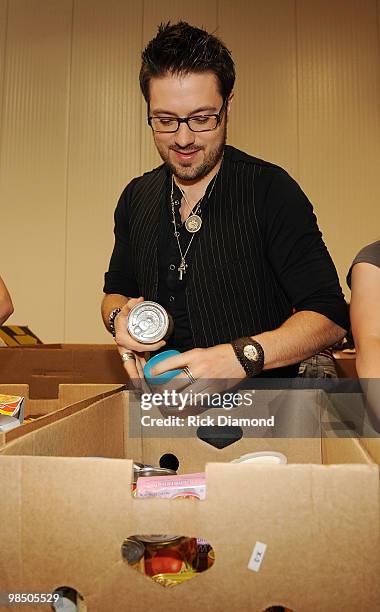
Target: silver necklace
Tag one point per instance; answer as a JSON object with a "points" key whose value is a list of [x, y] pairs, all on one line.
{"points": [[197, 224], [193, 222]]}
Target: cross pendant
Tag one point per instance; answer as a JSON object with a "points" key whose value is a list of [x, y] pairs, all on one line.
{"points": [[182, 268]]}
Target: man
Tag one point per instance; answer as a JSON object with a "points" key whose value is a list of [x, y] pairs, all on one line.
{"points": [[254, 291], [6, 306]]}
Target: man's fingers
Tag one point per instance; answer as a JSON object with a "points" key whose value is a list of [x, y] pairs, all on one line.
{"points": [[125, 342], [131, 303], [140, 362], [134, 367], [130, 367], [178, 362], [139, 367], [177, 383]]}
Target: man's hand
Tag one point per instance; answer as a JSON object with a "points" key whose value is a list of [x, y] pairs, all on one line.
{"points": [[126, 344], [214, 369]]}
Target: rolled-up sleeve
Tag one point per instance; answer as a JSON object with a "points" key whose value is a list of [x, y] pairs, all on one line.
{"points": [[120, 277], [297, 253]]}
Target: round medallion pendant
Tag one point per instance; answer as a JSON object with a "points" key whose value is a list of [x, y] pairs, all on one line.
{"points": [[193, 223]]}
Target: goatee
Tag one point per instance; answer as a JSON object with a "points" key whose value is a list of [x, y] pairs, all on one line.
{"points": [[190, 173]]}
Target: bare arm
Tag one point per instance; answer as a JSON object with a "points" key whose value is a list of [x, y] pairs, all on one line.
{"points": [[6, 306], [110, 302], [304, 334], [365, 318], [365, 322]]}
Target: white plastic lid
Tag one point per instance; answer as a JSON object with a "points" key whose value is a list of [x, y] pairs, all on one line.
{"points": [[262, 457]]}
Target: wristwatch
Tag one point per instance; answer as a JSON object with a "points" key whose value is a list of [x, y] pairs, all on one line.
{"points": [[111, 320], [250, 355]]}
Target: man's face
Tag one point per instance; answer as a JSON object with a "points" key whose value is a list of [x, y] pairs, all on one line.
{"points": [[190, 155]]}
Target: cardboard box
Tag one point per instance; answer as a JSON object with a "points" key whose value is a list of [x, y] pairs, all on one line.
{"points": [[17, 335], [300, 442], [44, 367], [321, 554], [82, 430], [351, 408], [345, 364], [67, 394], [41, 412]]}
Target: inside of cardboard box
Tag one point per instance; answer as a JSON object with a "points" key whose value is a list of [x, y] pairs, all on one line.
{"points": [[109, 427], [40, 413], [67, 394]]}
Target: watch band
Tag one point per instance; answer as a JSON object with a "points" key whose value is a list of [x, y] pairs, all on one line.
{"points": [[111, 320], [250, 355]]}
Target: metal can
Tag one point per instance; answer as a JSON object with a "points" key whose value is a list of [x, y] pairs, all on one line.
{"points": [[132, 551], [148, 322], [203, 551], [210, 558], [140, 470], [167, 554]]}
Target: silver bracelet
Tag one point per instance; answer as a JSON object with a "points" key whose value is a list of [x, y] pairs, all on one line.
{"points": [[111, 320]]}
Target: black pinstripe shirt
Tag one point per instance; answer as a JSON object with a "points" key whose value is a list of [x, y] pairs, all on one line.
{"points": [[258, 256]]}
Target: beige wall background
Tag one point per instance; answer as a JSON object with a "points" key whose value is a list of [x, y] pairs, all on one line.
{"points": [[73, 130]]}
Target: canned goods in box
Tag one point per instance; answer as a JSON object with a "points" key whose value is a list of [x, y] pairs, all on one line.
{"points": [[141, 471], [148, 322], [166, 554], [132, 551]]}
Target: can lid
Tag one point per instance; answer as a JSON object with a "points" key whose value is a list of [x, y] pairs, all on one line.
{"points": [[148, 322], [148, 470], [132, 550], [262, 457], [158, 538]]}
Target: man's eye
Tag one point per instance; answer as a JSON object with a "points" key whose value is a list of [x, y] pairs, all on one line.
{"points": [[201, 119], [166, 120]]}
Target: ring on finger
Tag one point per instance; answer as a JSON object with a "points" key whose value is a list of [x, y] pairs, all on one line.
{"points": [[127, 356], [189, 375]]}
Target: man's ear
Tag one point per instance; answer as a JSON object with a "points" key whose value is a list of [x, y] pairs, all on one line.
{"points": [[229, 101]]}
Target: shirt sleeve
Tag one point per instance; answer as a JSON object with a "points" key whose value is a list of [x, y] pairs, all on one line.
{"points": [[368, 254], [120, 277], [297, 253]]}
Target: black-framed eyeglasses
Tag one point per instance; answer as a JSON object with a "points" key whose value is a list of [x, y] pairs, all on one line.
{"points": [[196, 123]]}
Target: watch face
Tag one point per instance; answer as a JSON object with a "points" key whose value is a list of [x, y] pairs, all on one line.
{"points": [[251, 352]]}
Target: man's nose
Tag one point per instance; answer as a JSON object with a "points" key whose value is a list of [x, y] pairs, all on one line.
{"points": [[184, 136]]}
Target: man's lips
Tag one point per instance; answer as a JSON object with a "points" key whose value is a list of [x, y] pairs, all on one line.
{"points": [[186, 155]]}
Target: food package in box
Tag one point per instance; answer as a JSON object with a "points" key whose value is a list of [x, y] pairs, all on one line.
{"points": [[11, 411]]}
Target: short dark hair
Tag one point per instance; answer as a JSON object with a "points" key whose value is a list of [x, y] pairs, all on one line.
{"points": [[180, 49]]}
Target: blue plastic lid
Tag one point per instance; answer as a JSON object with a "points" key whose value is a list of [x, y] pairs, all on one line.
{"points": [[161, 378]]}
